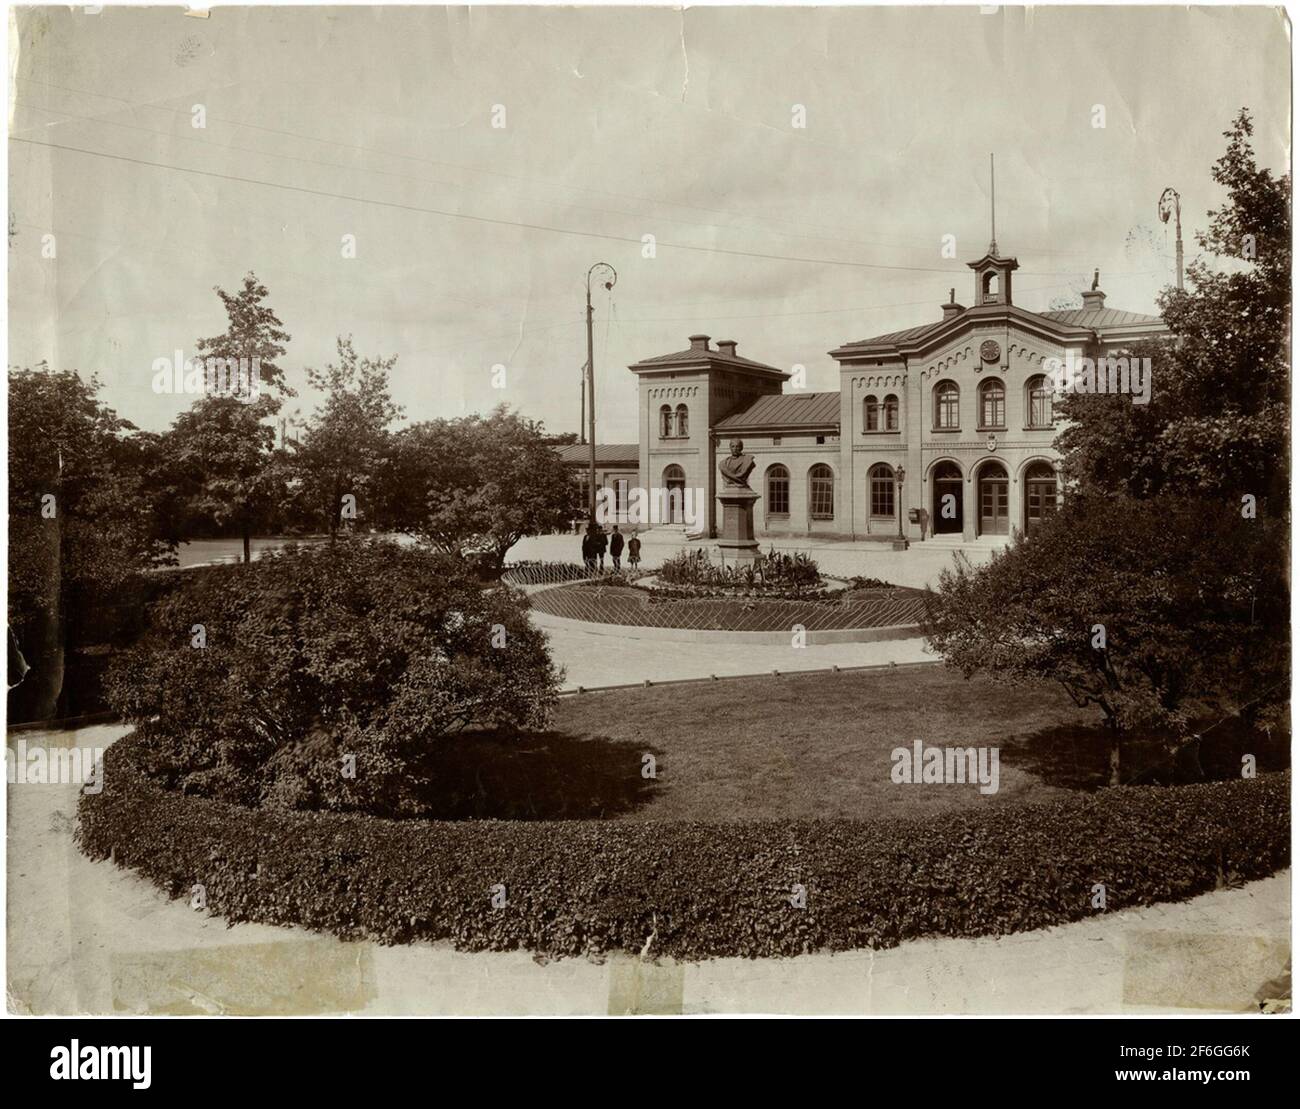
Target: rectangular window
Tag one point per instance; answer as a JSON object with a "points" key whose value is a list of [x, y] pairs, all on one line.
{"points": [[778, 496], [945, 410], [620, 495], [882, 495], [822, 497], [1040, 408], [993, 408]]}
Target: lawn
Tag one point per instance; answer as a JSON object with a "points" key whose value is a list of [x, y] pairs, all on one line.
{"points": [[818, 745], [801, 745], [796, 746]]}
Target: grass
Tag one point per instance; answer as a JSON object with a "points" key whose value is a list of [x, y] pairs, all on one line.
{"points": [[800, 746], [818, 745]]}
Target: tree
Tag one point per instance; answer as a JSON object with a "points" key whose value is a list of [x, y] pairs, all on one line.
{"points": [[1152, 611], [1218, 422], [253, 332], [226, 452], [476, 486], [371, 650], [347, 436], [82, 520]]}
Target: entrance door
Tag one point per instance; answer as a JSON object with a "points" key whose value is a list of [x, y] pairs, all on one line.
{"points": [[946, 512], [675, 484], [1040, 496], [994, 518]]}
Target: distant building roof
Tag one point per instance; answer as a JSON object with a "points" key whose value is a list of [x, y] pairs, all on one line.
{"points": [[795, 411], [607, 454], [699, 353]]}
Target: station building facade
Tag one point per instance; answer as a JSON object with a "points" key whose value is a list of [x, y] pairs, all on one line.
{"points": [[948, 425]]}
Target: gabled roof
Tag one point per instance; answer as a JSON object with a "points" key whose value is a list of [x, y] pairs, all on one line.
{"points": [[1100, 317], [607, 454], [793, 411], [1072, 323], [699, 355]]}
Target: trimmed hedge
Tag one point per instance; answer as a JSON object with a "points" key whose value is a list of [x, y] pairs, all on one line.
{"points": [[699, 890]]}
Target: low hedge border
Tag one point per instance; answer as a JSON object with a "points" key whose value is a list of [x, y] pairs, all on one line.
{"points": [[691, 890]]}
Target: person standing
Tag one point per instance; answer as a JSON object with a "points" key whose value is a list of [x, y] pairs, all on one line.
{"points": [[589, 548], [616, 549], [634, 551], [601, 544]]}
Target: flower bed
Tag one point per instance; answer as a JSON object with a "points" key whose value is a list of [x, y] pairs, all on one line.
{"points": [[692, 890]]}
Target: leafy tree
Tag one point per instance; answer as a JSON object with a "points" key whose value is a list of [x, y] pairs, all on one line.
{"points": [[475, 486], [370, 649], [1152, 611], [347, 437], [226, 451], [82, 520], [253, 331], [1218, 423]]}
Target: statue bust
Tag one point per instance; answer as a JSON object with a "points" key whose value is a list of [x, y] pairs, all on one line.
{"points": [[737, 466]]}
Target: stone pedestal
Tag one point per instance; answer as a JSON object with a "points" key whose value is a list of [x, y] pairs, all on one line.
{"points": [[737, 542]]}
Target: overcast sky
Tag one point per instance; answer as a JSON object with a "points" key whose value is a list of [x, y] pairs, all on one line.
{"points": [[377, 123]]}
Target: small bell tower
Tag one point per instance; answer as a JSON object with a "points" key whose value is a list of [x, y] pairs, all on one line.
{"points": [[993, 272]]}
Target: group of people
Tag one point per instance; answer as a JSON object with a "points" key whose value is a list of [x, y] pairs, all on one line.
{"points": [[595, 543]]}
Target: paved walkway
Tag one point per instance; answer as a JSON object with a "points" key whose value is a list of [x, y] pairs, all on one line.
{"points": [[917, 567], [86, 937]]}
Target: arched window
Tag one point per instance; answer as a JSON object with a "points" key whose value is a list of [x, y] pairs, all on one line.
{"points": [[881, 486], [1038, 401], [993, 404], [683, 424], [990, 285], [870, 413], [891, 413], [821, 492], [778, 491], [665, 422], [946, 397]]}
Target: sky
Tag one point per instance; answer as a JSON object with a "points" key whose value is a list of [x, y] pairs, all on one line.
{"points": [[472, 241]]}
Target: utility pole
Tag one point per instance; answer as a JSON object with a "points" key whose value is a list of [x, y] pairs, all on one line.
{"points": [[582, 418], [1171, 201], [591, 391]]}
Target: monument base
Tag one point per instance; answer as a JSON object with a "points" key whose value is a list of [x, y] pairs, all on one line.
{"points": [[737, 542]]}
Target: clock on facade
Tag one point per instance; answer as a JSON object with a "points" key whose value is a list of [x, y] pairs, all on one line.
{"points": [[990, 351]]}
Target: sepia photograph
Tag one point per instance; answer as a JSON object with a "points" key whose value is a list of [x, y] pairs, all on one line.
{"points": [[646, 511]]}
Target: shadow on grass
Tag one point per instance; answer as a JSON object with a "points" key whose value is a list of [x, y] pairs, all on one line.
{"points": [[1076, 757], [534, 776]]}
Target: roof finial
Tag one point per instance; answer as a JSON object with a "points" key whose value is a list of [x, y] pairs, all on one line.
{"points": [[993, 213], [952, 295], [1096, 278]]}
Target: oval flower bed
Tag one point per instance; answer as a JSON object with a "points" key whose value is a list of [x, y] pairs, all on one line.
{"points": [[691, 890], [666, 607]]}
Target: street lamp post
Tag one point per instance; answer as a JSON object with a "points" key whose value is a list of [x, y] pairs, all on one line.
{"points": [[900, 544], [1171, 201], [591, 392]]}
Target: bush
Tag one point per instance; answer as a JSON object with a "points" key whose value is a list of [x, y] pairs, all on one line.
{"points": [[362, 648], [693, 890], [774, 571]]}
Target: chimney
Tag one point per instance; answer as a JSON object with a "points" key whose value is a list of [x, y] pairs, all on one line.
{"points": [[699, 342], [952, 308], [1094, 300], [727, 348]]}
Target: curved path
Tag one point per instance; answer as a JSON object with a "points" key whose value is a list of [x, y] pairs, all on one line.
{"points": [[86, 937]]}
